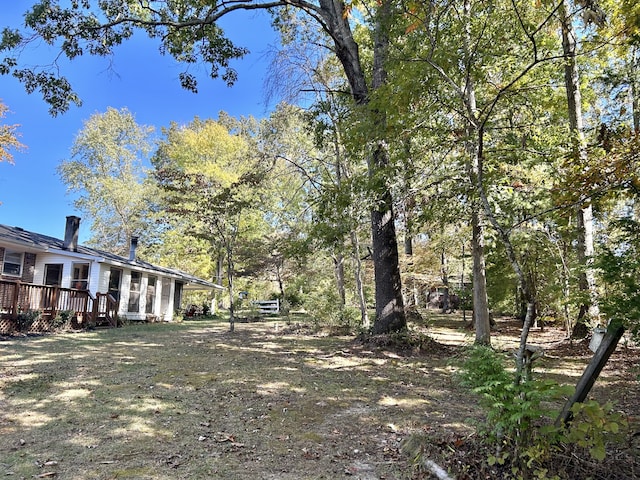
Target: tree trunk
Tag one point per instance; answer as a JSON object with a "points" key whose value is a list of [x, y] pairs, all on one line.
{"points": [[388, 287], [219, 277], [364, 315], [634, 88], [585, 250], [444, 275], [390, 316], [480, 300], [232, 321], [408, 243], [409, 207], [474, 149], [338, 265]]}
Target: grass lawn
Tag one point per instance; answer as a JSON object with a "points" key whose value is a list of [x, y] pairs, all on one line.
{"points": [[193, 401]]}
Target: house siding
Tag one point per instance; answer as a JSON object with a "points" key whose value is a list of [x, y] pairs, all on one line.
{"points": [[67, 269], [41, 250], [100, 274]]}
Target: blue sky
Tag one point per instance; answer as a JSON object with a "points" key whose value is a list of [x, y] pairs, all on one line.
{"points": [[32, 195]]}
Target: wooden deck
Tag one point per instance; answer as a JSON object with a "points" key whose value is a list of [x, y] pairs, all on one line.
{"points": [[31, 307]]}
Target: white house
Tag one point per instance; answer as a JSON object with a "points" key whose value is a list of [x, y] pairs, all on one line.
{"points": [[142, 291]]}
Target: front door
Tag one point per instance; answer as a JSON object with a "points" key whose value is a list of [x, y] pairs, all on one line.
{"points": [[52, 278], [115, 275], [165, 296]]}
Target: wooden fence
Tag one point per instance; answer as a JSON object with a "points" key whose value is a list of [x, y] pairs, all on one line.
{"points": [[267, 307], [31, 307]]}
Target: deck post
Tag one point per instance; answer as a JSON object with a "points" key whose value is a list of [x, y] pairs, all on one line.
{"points": [[54, 301], [94, 312], [16, 298]]}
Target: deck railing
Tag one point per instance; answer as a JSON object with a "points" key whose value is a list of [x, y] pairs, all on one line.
{"points": [[17, 298], [105, 310]]}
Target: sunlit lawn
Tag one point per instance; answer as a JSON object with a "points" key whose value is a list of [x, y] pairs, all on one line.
{"points": [[194, 401]]}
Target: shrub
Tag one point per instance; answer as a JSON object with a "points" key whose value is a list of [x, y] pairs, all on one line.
{"points": [[25, 320], [62, 319], [520, 417]]}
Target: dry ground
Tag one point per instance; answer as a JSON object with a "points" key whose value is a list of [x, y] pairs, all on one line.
{"points": [[269, 401]]}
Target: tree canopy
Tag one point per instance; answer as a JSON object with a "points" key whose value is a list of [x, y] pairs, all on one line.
{"points": [[431, 118], [8, 137], [107, 172]]}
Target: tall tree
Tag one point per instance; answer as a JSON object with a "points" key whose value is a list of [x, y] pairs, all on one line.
{"points": [[579, 155], [107, 172], [210, 181], [188, 30], [492, 112]]}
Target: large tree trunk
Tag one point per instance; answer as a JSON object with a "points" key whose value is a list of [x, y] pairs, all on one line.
{"points": [[388, 287], [390, 315], [589, 310]]}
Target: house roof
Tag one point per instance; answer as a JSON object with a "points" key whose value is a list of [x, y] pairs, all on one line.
{"points": [[36, 242]]}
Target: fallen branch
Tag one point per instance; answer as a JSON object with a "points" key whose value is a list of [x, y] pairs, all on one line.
{"points": [[591, 373], [436, 469], [413, 446]]}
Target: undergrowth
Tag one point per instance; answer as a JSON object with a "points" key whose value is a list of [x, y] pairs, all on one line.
{"points": [[520, 427]]}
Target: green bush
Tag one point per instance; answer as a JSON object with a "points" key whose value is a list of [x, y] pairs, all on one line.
{"points": [[62, 319], [594, 425], [520, 417], [26, 319]]}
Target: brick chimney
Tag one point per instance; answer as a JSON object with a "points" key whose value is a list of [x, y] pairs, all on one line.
{"points": [[71, 233], [132, 249]]}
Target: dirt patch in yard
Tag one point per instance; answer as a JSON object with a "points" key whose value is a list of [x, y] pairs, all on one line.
{"points": [[269, 401]]}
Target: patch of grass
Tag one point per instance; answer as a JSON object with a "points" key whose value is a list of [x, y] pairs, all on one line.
{"points": [[191, 400]]}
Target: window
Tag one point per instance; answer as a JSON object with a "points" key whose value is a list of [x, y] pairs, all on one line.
{"points": [[53, 274], [134, 292], [80, 280], [151, 294], [12, 264]]}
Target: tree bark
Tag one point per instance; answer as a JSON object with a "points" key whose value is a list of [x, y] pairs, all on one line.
{"points": [[364, 314], [634, 88], [338, 264], [481, 317], [232, 320], [444, 275], [390, 314], [589, 310], [480, 299]]}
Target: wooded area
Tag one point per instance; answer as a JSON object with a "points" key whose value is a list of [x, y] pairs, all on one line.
{"points": [[499, 141]]}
